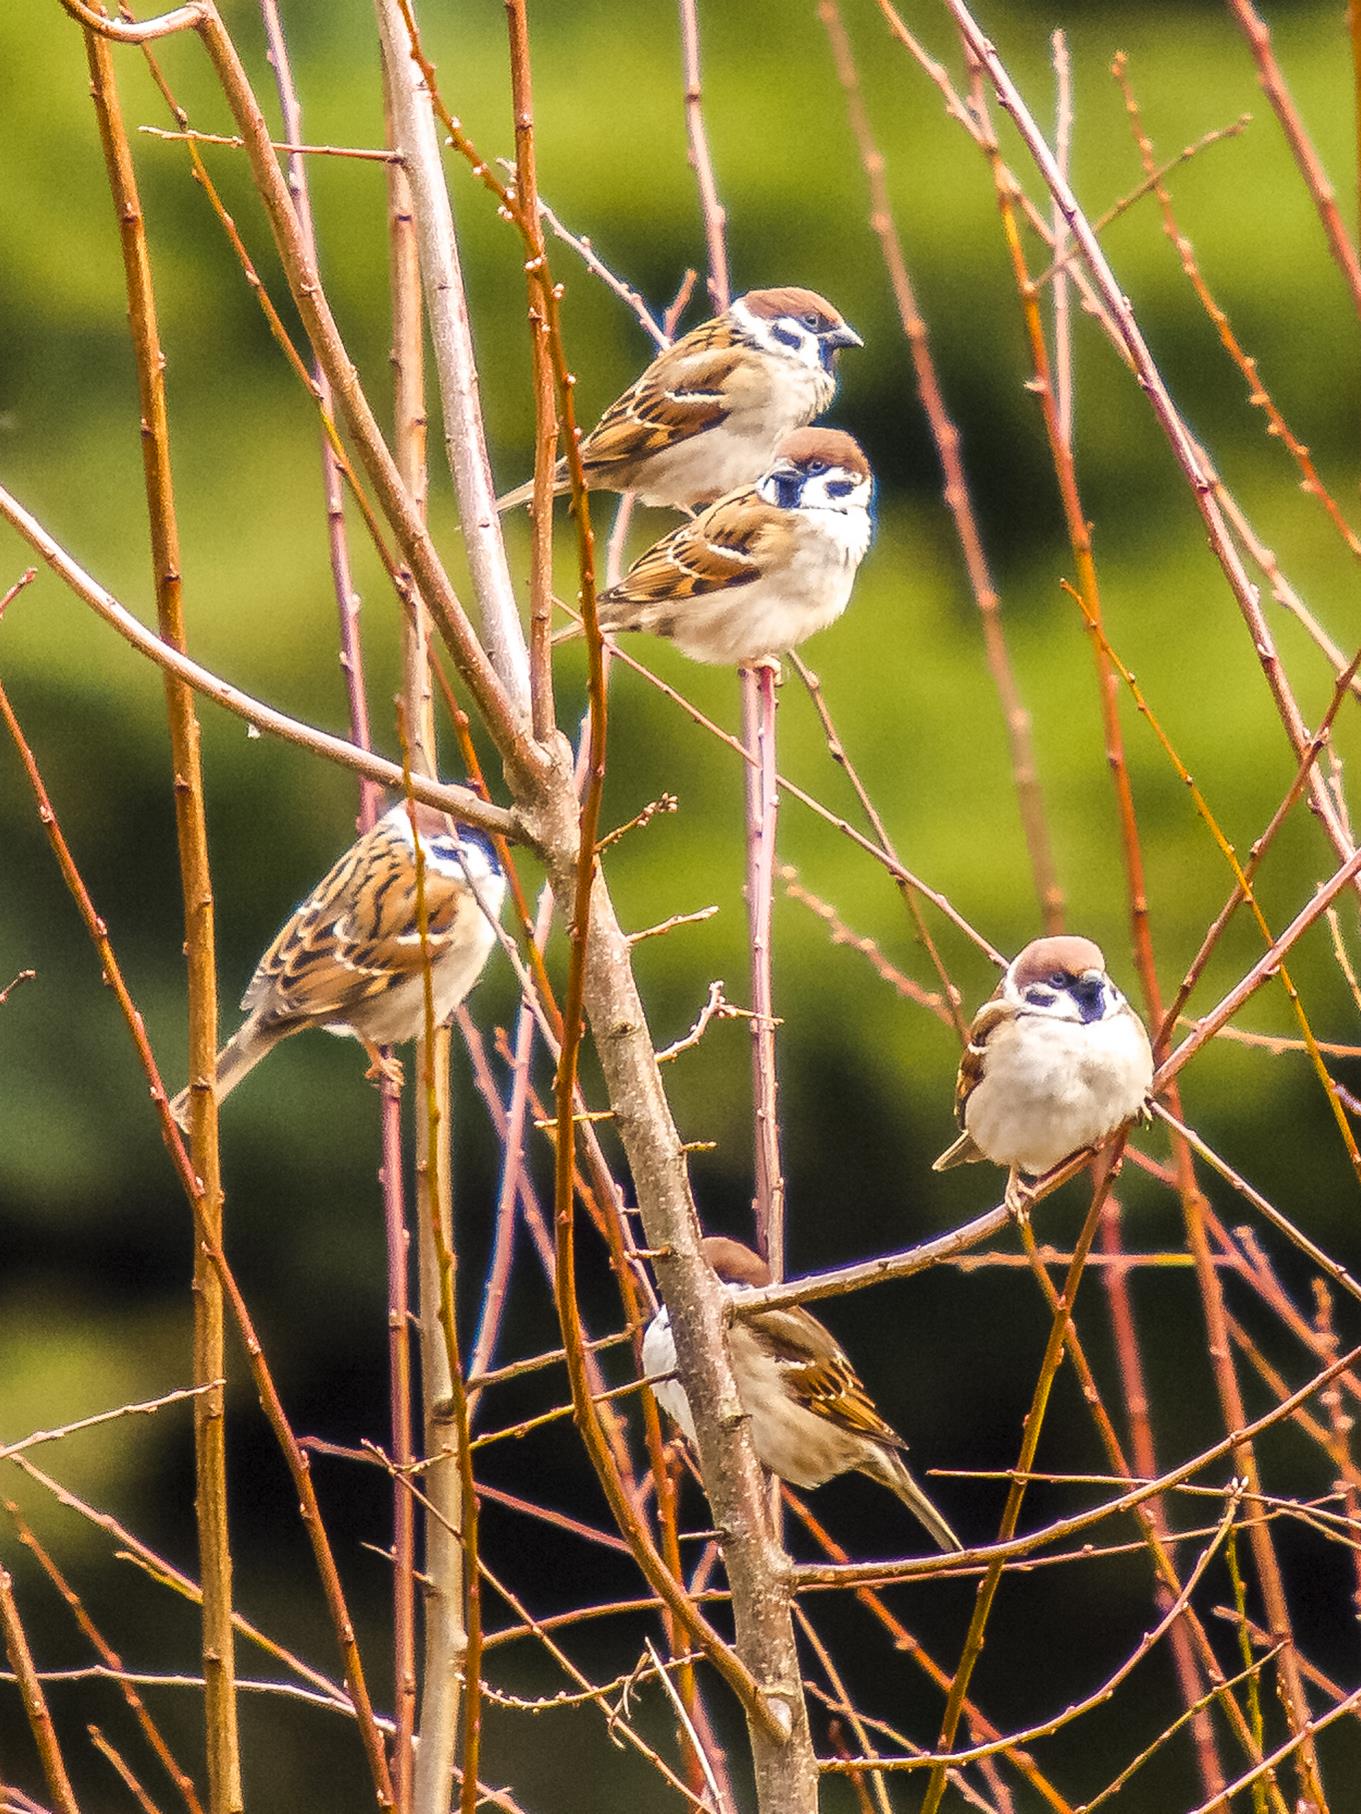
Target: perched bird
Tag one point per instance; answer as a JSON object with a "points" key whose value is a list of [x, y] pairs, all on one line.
{"points": [[763, 568], [811, 1419], [1057, 1060], [708, 412], [349, 959]]}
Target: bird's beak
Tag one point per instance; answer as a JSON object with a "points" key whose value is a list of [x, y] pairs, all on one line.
{"points": [[1090, 995], [842, 336]]}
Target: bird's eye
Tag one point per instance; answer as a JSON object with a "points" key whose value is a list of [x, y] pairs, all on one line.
{"points": [[814, 467], [811, 320], [1058, 979]]}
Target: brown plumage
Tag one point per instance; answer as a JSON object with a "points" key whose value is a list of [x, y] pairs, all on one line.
{"points": [[761, 569], [811, 1418], [349, 959], [731, 387], [1056, 1061]]}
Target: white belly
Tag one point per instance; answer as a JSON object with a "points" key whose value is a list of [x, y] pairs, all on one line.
{"points": [[746, 623], [1052, 1087], [398, 1014]]}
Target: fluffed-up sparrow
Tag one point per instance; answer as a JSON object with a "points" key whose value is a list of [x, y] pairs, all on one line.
{"points": [[350, 960], [707, 414], [1057, 1061], [762, 569], [811, 1419]]}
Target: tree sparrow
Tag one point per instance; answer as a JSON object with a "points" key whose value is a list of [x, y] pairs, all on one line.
{"points": [[811, 1419], [1057, 1061], [763, 568], [349, 959], [708, 412]]}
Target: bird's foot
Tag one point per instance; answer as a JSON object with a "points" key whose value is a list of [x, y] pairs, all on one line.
{"points": [[1019, 1200], [385, 1070]]}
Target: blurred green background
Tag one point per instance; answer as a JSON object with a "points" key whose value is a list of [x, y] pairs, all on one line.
{"points": [[94, 1308]]}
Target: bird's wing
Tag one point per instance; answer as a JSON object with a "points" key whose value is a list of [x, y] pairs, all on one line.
{"points": [[355, 934], [681, 394], [818, 1373], [722, 547], [985, 1023]]}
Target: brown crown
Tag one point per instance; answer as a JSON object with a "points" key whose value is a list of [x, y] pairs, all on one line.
{"points": [[431, 822], [734, 1263], [1044, 956], [833, 446], [789, 300]]}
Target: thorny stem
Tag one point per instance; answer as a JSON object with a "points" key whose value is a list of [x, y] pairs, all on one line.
{"points": [[415, 136], [1312, 173], [1258, 394], [958, 499], [758, 729], [35, 1701], [210, 1449], [109, 1656], [986, 60], [428, 1782], [294, 1456], [452, 1421], [759, 702], [390, 1109], [450, 798], [1184, 450], [342, 577], [1034, 1423], [542, 712]]}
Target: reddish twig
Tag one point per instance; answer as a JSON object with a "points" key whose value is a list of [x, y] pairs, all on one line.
{"points": [[196, 891], [183, 1782], [958, 498], [35, 1701], [211, 1245], [1312, 173]]}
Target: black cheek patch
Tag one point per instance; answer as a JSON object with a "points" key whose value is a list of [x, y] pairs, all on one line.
{"points": [[787, 336], [1039, 997], [839, 488]]}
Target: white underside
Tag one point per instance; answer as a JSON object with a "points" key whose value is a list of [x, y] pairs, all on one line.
{"points": [[1051, 1087], [745, 623], [398, 1014]]}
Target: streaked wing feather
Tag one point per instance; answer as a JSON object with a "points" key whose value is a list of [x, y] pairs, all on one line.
{"points": [[820, 1373], [988, 1018], [718, 549], [354, 934], [682, 394]]}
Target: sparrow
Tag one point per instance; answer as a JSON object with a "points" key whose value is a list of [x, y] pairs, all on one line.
{"points": [[763, 568], [349, 959], [811, 1419], [708, 412], [1057, 1060]]}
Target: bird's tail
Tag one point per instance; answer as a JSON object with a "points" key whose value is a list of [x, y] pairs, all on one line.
{"points": [[523, 493], [242, 1052], [963, 1152], [891, 1470]]}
